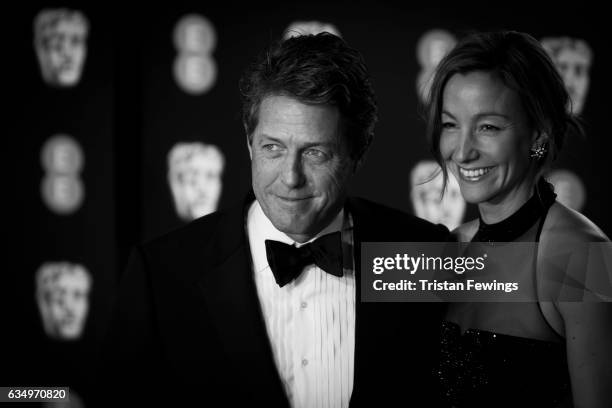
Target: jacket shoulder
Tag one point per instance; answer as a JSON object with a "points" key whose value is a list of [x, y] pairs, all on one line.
{"points": [[396, 224], [202, 230]]}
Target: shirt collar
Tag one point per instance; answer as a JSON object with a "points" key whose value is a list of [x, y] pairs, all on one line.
{"points": [[260, 228]]}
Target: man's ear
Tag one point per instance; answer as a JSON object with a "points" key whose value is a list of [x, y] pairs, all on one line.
{"points": [[249, 147]]}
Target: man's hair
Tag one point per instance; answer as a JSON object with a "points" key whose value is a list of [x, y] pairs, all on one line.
{"points": [[523, 65], [316, 70]]}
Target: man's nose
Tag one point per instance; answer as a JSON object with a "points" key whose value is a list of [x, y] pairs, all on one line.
{"points": [[293, 171], [465, 150]]}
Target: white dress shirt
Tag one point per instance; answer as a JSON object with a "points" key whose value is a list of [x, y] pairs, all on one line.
{"points": [[310, 321]]}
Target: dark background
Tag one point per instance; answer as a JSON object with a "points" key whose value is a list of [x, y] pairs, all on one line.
{"points": [[127, 112]]}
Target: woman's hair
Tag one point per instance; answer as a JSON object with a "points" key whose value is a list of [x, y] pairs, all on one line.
{"points": [[523, 65]]}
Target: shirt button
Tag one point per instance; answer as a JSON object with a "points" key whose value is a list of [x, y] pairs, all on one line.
{"points": [[304, 362], [303, 305]]}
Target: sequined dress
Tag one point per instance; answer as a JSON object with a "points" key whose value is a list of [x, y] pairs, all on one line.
{"points": [[481, 368]]}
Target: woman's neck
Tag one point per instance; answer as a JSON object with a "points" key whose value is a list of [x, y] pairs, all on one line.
{"points": [[498, 209]]}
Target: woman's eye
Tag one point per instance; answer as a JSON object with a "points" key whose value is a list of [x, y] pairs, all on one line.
{"points": [[489, 128], [448, 125]]}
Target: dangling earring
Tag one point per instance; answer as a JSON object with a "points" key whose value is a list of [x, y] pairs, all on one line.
{"points": [[538, 152]]}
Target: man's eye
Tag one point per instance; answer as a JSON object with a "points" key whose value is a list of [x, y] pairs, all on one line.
{"points": [[315, 153], [271, 147]]}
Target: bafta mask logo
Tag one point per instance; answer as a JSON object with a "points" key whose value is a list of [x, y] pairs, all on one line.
{"points": [[60, 41], [427, 185], [195, 70], [62, 294], [194, 175], [569, 188], [431, 48], [61, 188], [298, 28], [573, 58]]}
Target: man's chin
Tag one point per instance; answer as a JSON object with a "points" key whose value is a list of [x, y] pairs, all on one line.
{"points": [[295, 228]]}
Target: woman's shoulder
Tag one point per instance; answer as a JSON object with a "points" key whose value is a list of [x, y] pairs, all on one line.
{"points": [[465, 232], [574, 256], [571, 226]]}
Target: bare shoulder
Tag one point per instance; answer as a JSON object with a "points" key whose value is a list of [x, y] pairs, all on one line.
{"points": [[573, 257], [465, 232], [563, 223]]}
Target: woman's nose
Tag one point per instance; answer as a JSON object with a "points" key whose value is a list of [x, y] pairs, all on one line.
{"points": [[465, 150]]}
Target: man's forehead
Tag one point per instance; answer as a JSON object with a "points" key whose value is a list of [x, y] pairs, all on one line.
{"points": [[286, 117]]}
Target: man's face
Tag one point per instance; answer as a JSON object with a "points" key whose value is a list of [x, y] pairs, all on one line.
{"points": [[300, 164], [200, 183], [574, 69], [66, 49]]}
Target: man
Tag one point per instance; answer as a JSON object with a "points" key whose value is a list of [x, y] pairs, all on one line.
{"points": [[229, 311]]}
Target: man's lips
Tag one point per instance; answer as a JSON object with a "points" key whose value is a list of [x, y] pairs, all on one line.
{"points": [[293, 199]]}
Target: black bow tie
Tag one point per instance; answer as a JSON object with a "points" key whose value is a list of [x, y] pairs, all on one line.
{"points": [[287, 261]]}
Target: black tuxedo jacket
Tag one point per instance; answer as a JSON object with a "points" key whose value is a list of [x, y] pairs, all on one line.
{"points": [[188, 324]]}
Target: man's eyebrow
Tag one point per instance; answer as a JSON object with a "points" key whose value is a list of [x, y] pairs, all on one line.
{"points": [[267, 138], [318, 144]]}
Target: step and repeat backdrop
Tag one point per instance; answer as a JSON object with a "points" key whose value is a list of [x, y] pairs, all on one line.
{"points": [[133, 129]]}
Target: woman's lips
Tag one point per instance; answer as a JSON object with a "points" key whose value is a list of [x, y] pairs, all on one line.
{"points": [[474, 174]]}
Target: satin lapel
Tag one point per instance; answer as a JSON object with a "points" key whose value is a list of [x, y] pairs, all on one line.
{"points": [[232, 303]]}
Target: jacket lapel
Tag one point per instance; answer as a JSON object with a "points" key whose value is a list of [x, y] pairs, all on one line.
{"points": [[232, 303], [363, 317]]}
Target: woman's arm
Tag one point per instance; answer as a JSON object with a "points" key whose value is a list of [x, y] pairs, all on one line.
{"points": [[588, 334], [574, 265]]}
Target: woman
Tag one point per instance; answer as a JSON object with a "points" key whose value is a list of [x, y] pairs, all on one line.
{"points": [[497, 117]]}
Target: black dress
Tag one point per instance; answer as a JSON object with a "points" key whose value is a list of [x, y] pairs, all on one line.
{"points": [[481, 368]]}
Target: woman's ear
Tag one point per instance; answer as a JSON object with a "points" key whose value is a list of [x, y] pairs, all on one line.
{"points": [[539, 138]]}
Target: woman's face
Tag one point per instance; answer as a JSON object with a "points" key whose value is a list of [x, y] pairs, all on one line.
{"points": [[486, 139]]}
